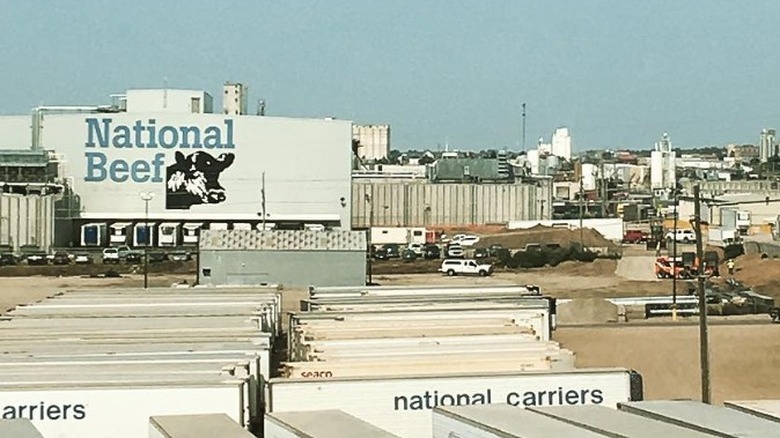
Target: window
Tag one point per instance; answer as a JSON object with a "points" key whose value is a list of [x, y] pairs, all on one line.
{"points": [[195, 105], [417, 233], [206, 272]]}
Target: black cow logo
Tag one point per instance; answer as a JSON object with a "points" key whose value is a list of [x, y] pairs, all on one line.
{"points": [[194, 180]]}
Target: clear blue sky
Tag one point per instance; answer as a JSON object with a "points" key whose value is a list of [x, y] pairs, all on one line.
{"points": [[618, 73]]}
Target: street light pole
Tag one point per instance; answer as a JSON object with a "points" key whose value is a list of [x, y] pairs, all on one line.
{"points": [[146, 197]]}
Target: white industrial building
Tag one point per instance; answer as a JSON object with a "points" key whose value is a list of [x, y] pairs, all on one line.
{"points": [[662, 164], [766, 145], [561, 143], [374, 141], [197, 169]]}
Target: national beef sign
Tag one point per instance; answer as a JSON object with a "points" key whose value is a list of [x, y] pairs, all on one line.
{"points": [[191, 178]]}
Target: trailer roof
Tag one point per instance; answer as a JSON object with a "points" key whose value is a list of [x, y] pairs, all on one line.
{"points": [[139, 383], [19, 428], [704, 417], [476, 374], [510, 421], [767, 409], [609, 421], [207, 425], [328, 424]]}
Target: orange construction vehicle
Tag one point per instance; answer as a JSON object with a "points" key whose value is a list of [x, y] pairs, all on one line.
{"points": [[684, 266]]}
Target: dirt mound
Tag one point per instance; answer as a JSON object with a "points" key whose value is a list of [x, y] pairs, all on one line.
{"points": [[541, 234], [597, 268], [762, 274], [587, 311]]}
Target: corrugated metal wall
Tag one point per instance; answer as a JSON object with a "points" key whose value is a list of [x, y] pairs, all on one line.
{"points": [[26, 220], [421, 204]]}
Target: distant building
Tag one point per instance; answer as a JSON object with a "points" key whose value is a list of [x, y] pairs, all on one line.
{"points": [[662, 165], [742, 153], [168, 101], [374, 141], [561, 143], [234, 99], [471, 170], [766, 145]]}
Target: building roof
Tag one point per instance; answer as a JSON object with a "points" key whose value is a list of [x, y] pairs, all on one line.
{"points": [[328, 424]]}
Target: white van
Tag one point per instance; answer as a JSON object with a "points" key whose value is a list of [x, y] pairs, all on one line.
{"points": [[453, 267]]}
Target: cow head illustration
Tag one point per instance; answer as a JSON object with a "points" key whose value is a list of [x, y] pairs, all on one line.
{"points": [[194, 179]]}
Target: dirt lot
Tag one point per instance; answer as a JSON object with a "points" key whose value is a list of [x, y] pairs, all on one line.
{"points": [[744, 358]]}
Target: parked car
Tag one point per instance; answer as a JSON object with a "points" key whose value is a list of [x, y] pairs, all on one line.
{"points": [[453, 267], [61, 258], [416, 247], [494, 249], [110, 255], [157, 257], [37, 258], [134, 257], [179, 256], [455, 252], [8, 258], [684, 236], [634, 236], [481, 253], [392, 251], [82, 258], [380, 254], [432, 251], [468, 240], [409, 255], [123, 251]]}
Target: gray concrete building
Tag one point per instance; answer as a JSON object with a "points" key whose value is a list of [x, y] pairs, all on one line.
{"points": [[297, 258]]}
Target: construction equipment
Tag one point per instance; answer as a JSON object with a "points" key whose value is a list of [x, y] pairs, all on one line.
{"points": [[656, 237]]}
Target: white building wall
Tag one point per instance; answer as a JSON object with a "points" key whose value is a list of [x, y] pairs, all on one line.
{"points": [[169, 101], [589, 174], [374, 141], [306, 162], [561, 143]]}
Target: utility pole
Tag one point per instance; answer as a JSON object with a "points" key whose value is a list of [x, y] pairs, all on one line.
{"points": [[704, 348], [523, 127], [262, 197], [674, 257], [603, 191], [370, 203], [582, 207]]}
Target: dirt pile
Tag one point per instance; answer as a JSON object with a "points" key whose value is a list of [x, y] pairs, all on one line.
{"points": [[541, 234], [597, 268], [587, 311], [762, 274]]}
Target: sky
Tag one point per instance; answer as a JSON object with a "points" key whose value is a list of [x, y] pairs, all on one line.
{"points": [[617, 73]]}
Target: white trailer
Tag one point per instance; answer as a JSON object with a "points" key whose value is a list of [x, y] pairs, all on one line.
{"points": [[320, 424], [397, 235], [500, 420], [188, 426], [402, 405], [120, 409]]}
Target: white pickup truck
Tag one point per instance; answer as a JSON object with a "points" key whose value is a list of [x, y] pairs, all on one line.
{"points": [[453, 267]]}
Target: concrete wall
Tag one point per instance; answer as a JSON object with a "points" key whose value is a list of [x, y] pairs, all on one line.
{"points": [[423, 204], [288, 268], [750, 186], [26, 220]]}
